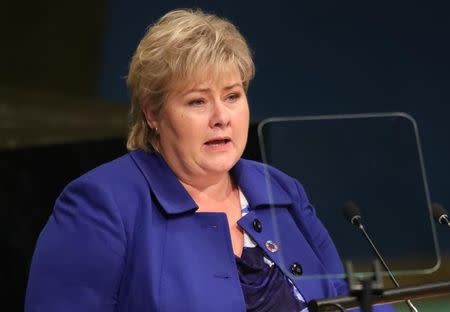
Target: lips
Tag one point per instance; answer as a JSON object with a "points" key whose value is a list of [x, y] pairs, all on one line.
{"points": [[218, 141]]}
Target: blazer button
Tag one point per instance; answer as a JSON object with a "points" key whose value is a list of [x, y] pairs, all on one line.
{"points": [[257, 226], [296, 269]]}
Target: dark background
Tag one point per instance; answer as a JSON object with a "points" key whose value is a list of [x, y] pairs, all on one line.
{"points": [[63, 99]]}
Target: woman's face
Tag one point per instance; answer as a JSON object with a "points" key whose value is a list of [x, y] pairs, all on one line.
{"points": [[203, 127]]}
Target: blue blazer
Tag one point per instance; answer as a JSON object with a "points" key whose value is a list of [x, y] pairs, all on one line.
{"points": [[126, 237]]}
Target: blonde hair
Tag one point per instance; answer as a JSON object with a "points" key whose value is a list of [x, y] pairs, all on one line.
{"points": [[179, 45]]}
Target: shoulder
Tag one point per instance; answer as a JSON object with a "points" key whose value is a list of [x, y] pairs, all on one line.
{"points": [[114, 193], [111, 171], [112, 184], [117, 175]]}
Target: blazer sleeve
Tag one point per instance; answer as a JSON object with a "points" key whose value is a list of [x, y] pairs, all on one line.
{"points": [[79, 255]]}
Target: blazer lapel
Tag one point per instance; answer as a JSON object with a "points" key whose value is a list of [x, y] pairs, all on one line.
{"points": [[270, 224], [171, 195]]}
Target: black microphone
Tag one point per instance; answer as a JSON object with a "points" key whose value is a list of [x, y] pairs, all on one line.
{"points": [[353, 215], [440, 214]]}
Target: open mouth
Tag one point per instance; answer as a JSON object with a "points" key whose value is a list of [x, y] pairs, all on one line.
{"points": [[218, 142]]}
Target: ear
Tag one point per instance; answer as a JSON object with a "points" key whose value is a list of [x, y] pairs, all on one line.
{"points": [[150, 117]]}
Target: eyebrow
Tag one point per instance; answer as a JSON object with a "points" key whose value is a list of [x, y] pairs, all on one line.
{"points": [[207, 89], [237, 84]]}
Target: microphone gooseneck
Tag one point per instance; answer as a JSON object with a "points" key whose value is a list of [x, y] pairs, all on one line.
{"points": [[353, 215]]}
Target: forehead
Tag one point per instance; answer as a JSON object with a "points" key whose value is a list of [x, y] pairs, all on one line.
{"points": [[207, 76]]}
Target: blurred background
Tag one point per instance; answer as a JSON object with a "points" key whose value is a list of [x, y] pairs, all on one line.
{"points": [[64, 103]]}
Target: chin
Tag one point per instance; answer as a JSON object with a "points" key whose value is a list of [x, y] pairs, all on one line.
{"points": [[222, 165]]}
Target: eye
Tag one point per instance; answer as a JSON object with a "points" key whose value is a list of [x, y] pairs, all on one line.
{"points": [[233, 97], [196, 102]]}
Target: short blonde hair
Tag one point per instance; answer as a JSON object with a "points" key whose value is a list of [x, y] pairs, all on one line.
{"points": [[179, 45]]}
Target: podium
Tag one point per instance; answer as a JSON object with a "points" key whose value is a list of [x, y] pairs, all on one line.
{"points": [[376, 161]]}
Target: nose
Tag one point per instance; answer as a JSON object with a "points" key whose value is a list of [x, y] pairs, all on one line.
{"points": [[220, 116]]}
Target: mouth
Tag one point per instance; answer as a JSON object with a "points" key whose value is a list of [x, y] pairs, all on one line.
{"points": [[218, 142]]}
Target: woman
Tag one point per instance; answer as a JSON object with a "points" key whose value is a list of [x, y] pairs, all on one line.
{"points": [[181, 223]]}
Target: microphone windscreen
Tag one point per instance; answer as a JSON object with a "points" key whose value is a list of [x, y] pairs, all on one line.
{"points": [[438, 211], [351, 210]]}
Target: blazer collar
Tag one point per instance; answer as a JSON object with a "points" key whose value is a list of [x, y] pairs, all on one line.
{"points": [[171, 194], [254, 180], [257, 182]]}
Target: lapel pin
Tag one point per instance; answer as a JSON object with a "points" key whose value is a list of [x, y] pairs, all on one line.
{"points": [[271, 246]]}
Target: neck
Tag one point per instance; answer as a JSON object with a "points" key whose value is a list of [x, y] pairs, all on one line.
{"points": [[217, 189]]}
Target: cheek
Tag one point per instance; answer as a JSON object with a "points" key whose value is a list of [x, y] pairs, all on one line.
{"points": [[187, 130], [243, 125], [175, 124], [244, 118]]}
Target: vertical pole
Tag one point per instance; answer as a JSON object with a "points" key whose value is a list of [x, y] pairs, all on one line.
{"points": [[365, 296]]}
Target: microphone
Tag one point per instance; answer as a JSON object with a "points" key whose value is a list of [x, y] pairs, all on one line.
{"points": [[353, 215], [440, 214]]}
